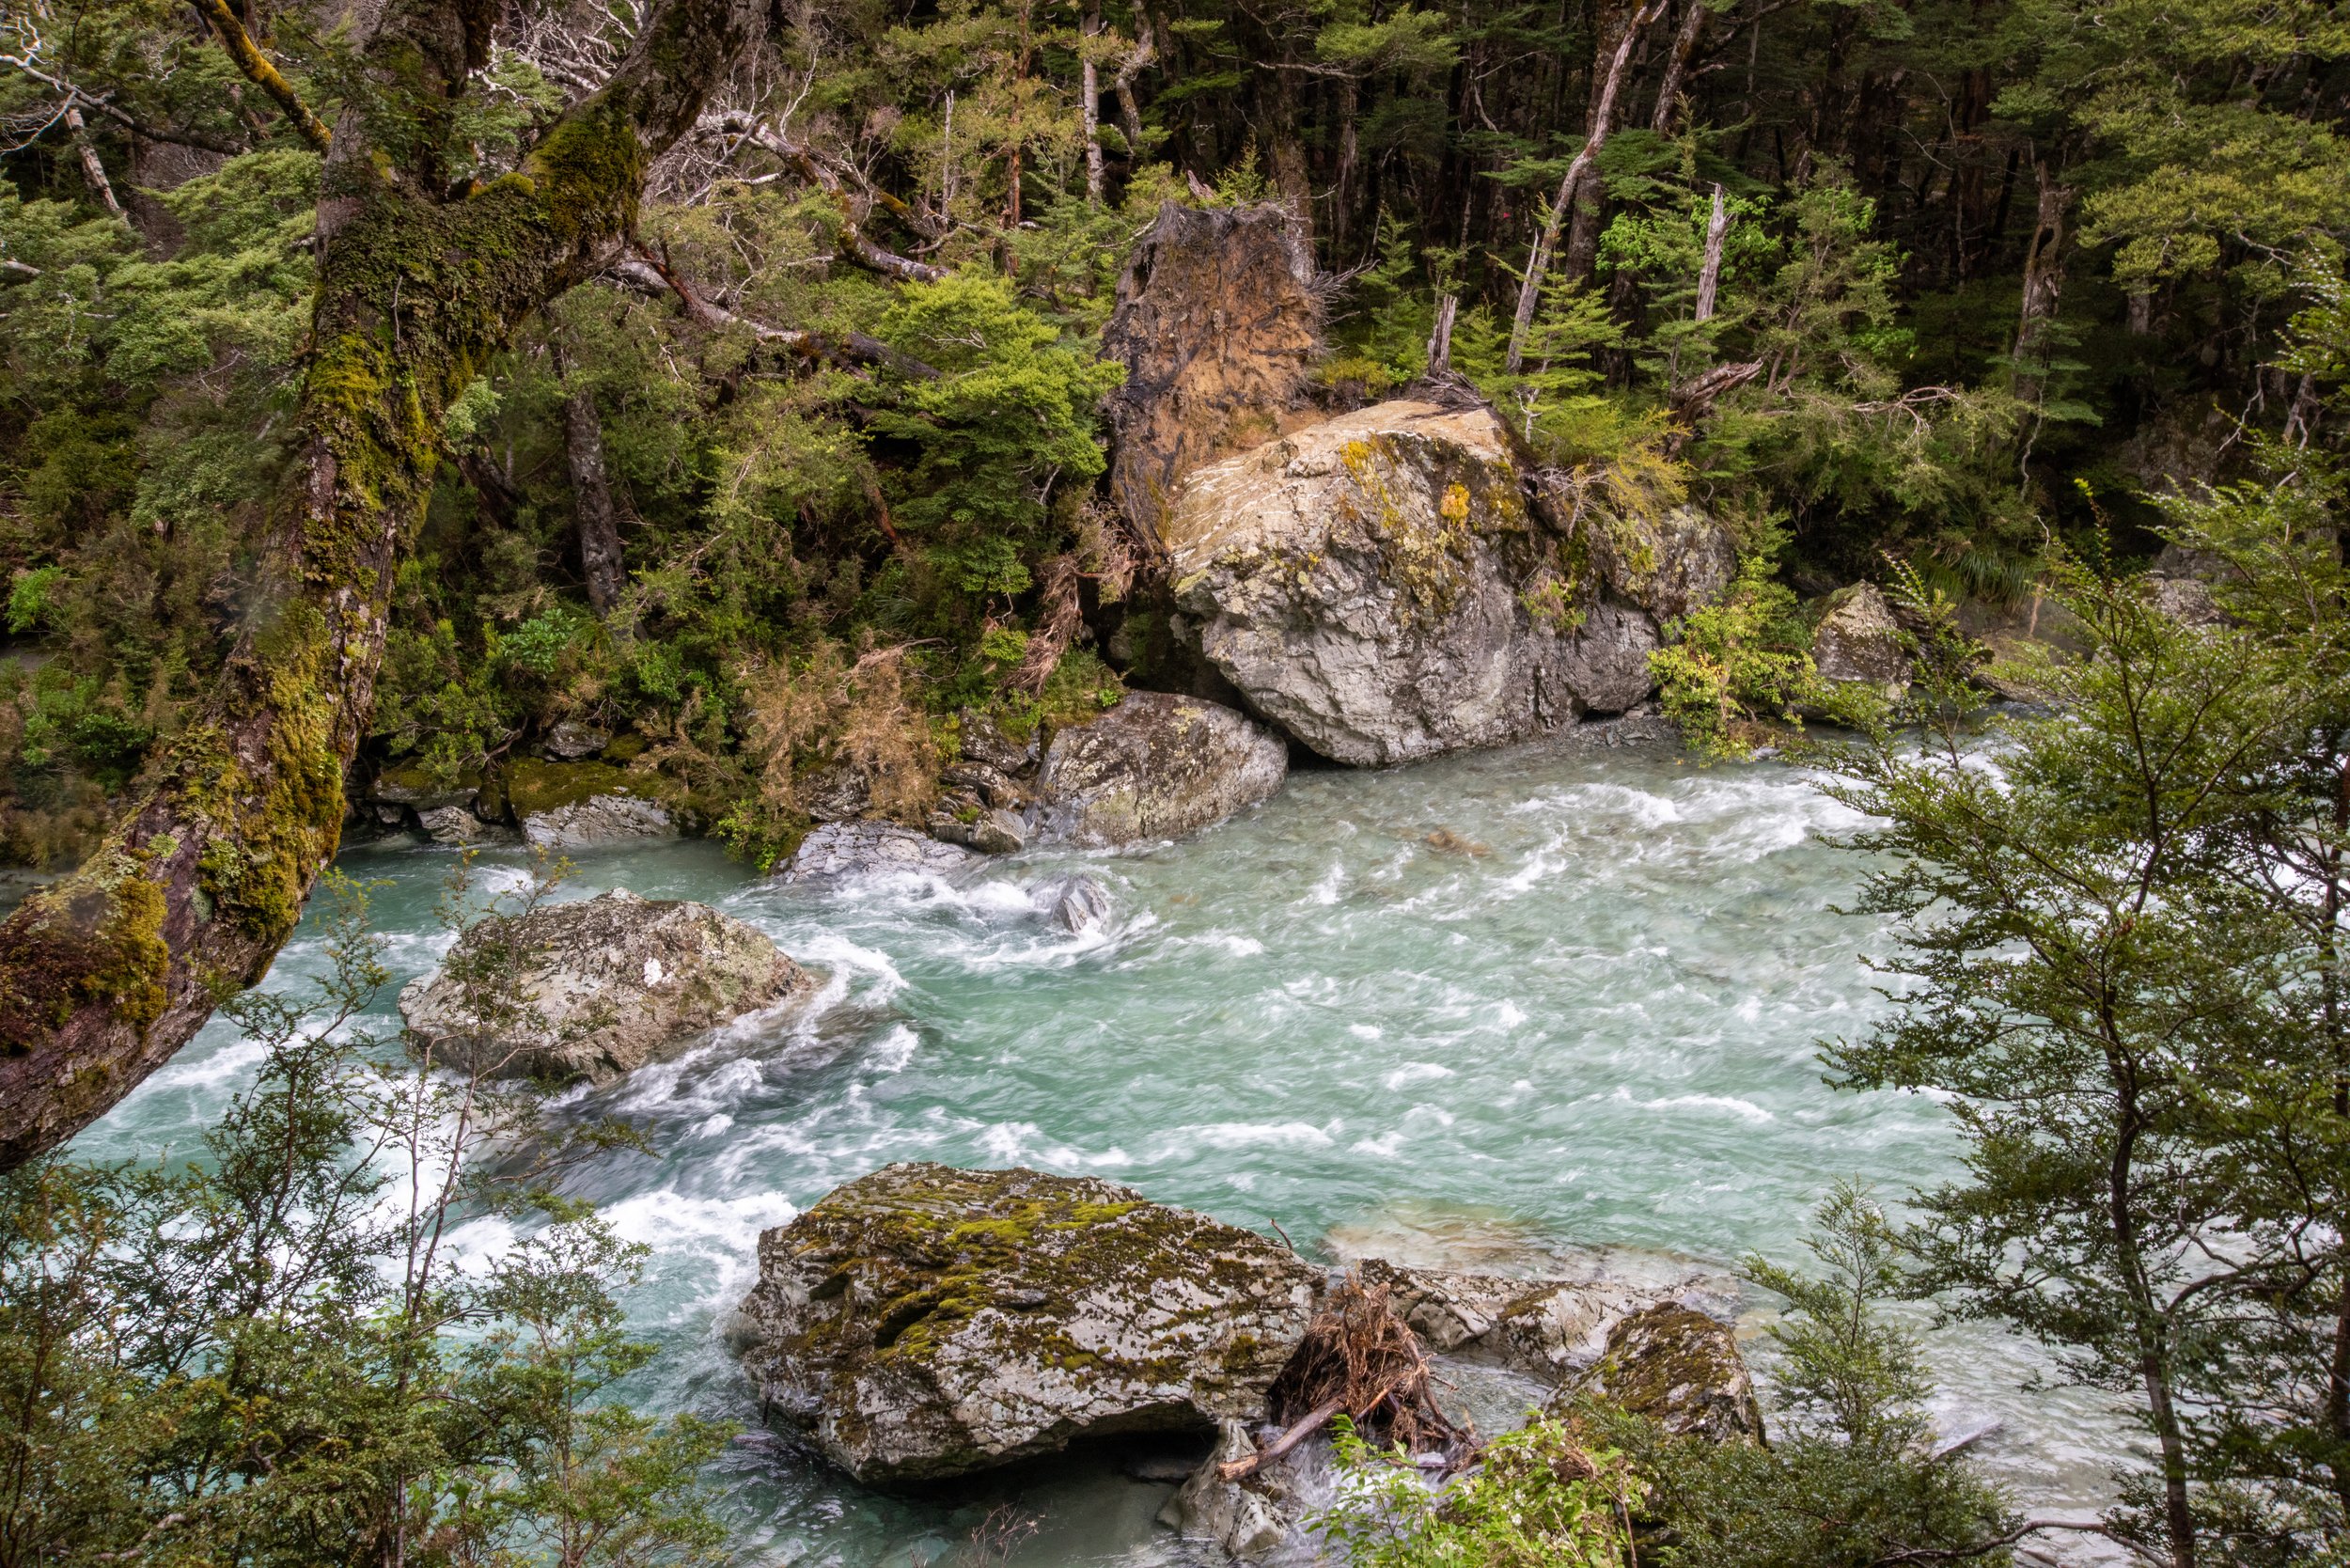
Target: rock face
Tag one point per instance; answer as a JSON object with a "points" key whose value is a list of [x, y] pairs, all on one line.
{"points": [[1155, 766], [1219, 327], [1380, 587], [1682, 1370], [1856, 641], [1549, 1328], [838, 851], [598, 820], [1668, 564], [924, 1321], [614, 981]]}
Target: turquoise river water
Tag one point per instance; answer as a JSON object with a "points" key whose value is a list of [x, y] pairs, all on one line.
{"points": [[1583, 1016]]}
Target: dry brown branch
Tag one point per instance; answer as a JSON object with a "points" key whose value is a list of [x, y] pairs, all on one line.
{"points": [[1055, 623], [1359, 1359]]}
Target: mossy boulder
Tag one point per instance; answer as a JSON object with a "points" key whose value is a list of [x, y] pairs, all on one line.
{"points": [[412, 784], [1383, 586], [1857, 642], [925, 1321], [1680, 1370], [594, 989], [1668, 562], [1155, 766], [580, 804]]}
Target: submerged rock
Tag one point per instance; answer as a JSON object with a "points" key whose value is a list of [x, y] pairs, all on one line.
{"points": [[924, 1321], [838, 851], [1682, 1370], [1857, 642], [1076, 904], [608, 984], [1155, 766], [1380, 587]]}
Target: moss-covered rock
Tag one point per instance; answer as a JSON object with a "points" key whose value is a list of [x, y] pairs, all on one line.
{"points": [[1155, 766], [925, 1321], [594, 989], [1857, 642], [1680, 1370], [578, 804]]}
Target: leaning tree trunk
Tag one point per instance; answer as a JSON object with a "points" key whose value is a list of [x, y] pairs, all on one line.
{"points": [[1601, 121], [599, 558], [2044, 286], [105, 974]]}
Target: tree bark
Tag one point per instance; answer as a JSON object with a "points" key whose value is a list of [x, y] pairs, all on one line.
{"points": [[104, 974], [1090, 104], [1603, 120], [1685, 47], [600, 557], [93, 172], [2044, 285], [1710, 273]]}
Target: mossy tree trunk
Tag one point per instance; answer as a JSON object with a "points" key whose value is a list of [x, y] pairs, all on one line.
{"points": [[105, 974]]}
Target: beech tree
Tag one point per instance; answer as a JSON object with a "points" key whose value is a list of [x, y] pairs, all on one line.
{"points": [[422, 276]]}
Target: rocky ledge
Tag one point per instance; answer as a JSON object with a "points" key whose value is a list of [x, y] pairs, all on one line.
{"points": [[594, 989]]}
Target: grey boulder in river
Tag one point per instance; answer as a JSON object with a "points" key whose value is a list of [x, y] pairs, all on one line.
{"points": [[924, 1321], [1155, 766], [1389, 584], [598, 987]]}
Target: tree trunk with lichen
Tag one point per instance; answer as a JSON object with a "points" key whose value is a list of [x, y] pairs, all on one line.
{"points": [[103, 976]]}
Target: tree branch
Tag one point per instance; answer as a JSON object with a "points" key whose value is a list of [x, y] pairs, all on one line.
{"points": [[262, 75], [656, 278]]}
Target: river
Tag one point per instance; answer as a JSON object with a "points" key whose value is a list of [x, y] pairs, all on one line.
{"points": [[1484, 1009]]}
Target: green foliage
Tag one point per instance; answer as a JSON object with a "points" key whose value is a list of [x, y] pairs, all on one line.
{"points": [[1728, 672], [1538, 1499], [1849, 1478], [2125, 998], [1010, 418], [264, 1355]]}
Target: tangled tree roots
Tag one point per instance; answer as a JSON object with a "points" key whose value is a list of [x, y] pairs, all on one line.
{"points": [[1359, 1359]]}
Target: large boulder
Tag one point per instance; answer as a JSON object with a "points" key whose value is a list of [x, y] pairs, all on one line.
{"points": [[924, 1321], [1857, 642], [603, 985], [1381, 587], [1218, 325], [1667, 563], [1155, 766], [1680, 1370]]}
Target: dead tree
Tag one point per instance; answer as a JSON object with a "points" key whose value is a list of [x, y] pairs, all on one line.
{"points": [[1603, 122], [104, 974]]}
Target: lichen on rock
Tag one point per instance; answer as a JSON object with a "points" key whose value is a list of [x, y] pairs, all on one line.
{"points": [[1682, 1370], [594, 989], [1382, 587], [1155, 766], [925, 1321]]}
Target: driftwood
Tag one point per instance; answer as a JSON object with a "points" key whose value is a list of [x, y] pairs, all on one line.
{"points": [[1359, 1359]]}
